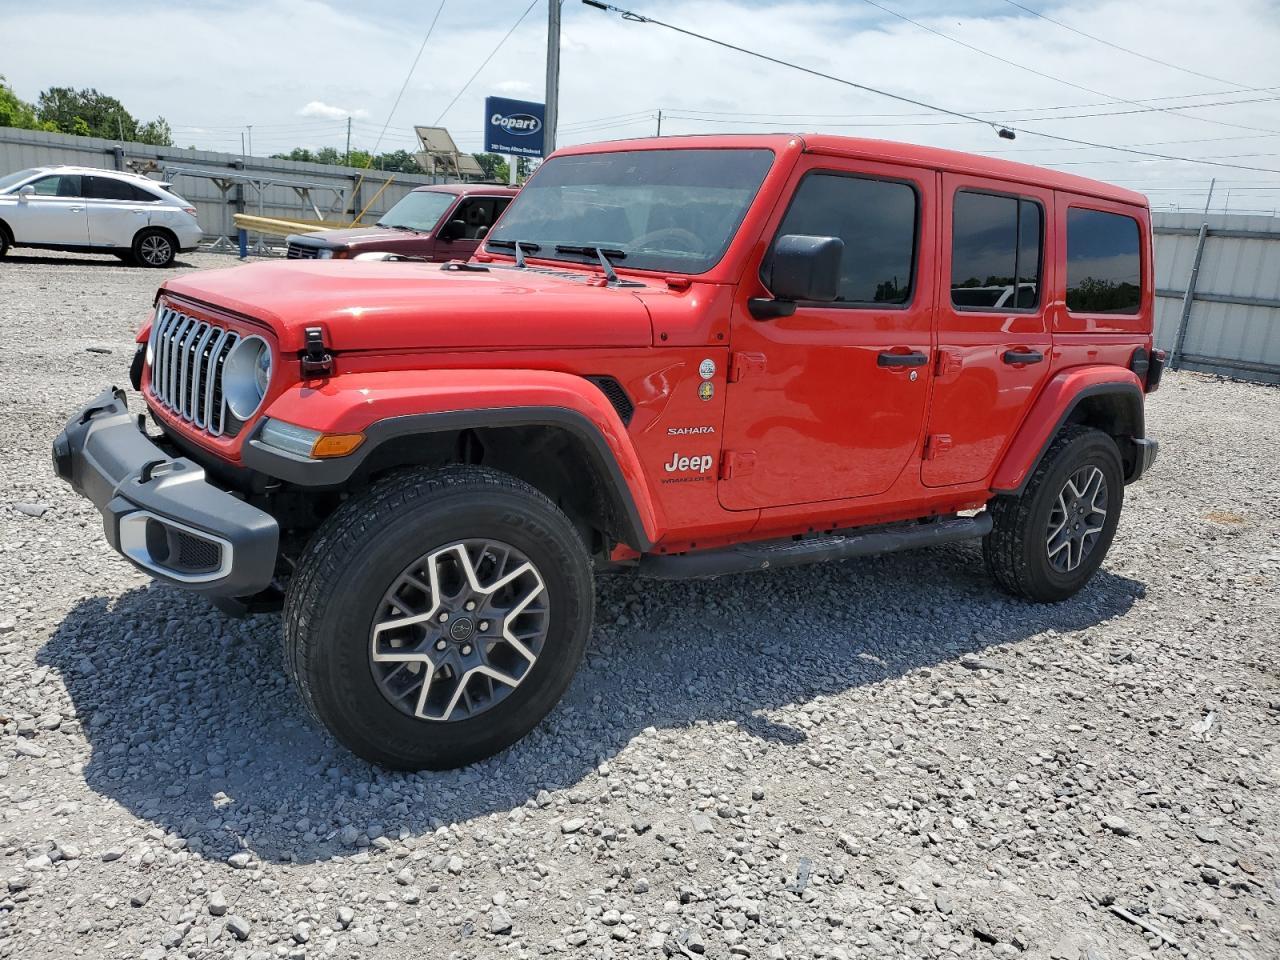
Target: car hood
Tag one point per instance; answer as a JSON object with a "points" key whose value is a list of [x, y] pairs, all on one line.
{"points": [[359, 235], [383, 305]]}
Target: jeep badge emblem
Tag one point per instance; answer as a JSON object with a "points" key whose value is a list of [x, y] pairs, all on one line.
{"points": [[707, 368]]}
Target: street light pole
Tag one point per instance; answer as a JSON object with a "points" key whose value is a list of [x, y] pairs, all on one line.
{"points": [[553, 76]]}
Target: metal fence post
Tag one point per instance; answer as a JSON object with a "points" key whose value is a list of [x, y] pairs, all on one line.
{"points": [[1187, 298]]}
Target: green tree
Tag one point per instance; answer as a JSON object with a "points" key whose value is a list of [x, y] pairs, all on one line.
{"points": [[91, 113], [495, 167], [15, 112]]}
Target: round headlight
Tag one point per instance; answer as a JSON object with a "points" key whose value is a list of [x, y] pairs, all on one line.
{"points": [[245, 376]]}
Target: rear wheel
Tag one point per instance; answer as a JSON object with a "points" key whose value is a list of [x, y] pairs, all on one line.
{"points": [[5, 242], [153, 248], [1048, 541], [437, 619]]}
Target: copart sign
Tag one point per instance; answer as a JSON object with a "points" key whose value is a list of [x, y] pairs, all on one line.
{"points": [[514, 127]]}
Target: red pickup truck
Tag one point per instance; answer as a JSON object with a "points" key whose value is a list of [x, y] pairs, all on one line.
{"points": [[442, 222], [678, 357]]}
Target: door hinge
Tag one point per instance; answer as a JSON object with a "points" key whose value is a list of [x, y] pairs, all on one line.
{"points": [[737, 463], [935, 445], [948, 362], [317, 361], [744, 363]]}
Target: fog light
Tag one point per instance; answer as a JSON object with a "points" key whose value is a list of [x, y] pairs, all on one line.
{"points": [[304, 442]]}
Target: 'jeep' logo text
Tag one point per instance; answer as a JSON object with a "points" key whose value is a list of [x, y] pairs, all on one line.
{"points": [[681, 464], [520, 124]]}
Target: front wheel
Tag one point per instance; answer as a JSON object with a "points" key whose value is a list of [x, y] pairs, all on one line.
{"points": [[1048, 541], [438, 618]]}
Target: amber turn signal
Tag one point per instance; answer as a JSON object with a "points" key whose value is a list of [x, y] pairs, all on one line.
{"points": [[336, 444]]}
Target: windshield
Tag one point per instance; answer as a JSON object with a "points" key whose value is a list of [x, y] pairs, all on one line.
{"points": [[8, 180], [420, 210], [669, 210]]}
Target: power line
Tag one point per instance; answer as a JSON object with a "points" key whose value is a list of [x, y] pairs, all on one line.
{"points": [[942, 123], [1173, 111], [1116, 46], [638, 18], [407, 77], [1004, 131], [492, 53]]}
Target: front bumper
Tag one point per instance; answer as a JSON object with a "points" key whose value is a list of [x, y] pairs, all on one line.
{"points": [[159, 510]]}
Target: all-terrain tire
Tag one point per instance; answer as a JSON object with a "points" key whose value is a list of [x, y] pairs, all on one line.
{"points": [[1017, 550], [5, 241], [351, 565], [153, 248]]}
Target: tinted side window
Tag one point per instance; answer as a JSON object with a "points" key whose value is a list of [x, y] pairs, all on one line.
{"points": [[995, 252], [1104, 265], [105, 188], [876, 219], [58, 185]]}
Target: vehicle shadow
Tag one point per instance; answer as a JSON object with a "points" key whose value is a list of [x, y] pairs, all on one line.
{"points": [[193, 726], [81, 260]]}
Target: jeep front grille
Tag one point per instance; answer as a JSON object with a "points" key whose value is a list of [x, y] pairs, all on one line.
{"points": [[187, 355]]}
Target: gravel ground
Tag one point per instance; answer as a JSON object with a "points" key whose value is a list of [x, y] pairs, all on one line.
{"points": [[881, 758]]}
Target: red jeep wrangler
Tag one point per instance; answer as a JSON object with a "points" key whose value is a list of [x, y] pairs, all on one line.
{"points": [[686, 356]]}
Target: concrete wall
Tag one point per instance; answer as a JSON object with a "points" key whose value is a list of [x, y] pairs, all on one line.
{"points": [[332, 188]]}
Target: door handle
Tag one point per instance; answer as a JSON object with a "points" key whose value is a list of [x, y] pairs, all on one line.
{"points": [[74, 209], [1022, 356], [888, 358]]}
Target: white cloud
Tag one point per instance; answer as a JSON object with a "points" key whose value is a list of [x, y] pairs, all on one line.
{"points": [[616, 75], [325, 111]]}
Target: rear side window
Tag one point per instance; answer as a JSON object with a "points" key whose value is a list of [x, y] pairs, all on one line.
{"points": [[107, 188], [995, 252], [1104, 262], [876, 219]]}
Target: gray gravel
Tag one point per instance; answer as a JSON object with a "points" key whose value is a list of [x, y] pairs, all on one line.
{"points": [[883, 758]]}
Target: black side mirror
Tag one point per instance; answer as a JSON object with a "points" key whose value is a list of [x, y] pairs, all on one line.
{"points": [[802, 268], [453, 230]]}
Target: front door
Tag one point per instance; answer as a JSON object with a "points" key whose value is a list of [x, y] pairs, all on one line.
{"points": [[54, 214], [993, 340], [829, 403]]}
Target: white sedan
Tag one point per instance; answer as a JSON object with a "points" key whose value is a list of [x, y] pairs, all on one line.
{"points": [[96, 211]]}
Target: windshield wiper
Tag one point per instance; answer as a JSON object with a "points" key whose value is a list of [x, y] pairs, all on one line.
{"points": [[519, 246], [602, 254]]}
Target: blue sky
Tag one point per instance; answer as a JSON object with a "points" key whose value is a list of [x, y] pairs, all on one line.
{"points": [[296, 69]]}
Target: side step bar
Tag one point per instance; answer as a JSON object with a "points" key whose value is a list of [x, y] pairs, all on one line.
{"points": [[771, 554]]}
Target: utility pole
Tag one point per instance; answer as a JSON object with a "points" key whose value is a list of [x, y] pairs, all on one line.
{"points": [[1208, 201], [659, 123], [250, 127], [348, 141], [242, 154], [553, 77]]}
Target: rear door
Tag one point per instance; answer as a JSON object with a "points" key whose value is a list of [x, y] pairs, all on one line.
{"points": [[994, 340], [116, 211], [54, 214], [828, 403]]}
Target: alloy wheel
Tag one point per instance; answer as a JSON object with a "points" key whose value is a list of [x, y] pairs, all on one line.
{"points": [[1077, 519], [460, 628], [156, 250]]}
